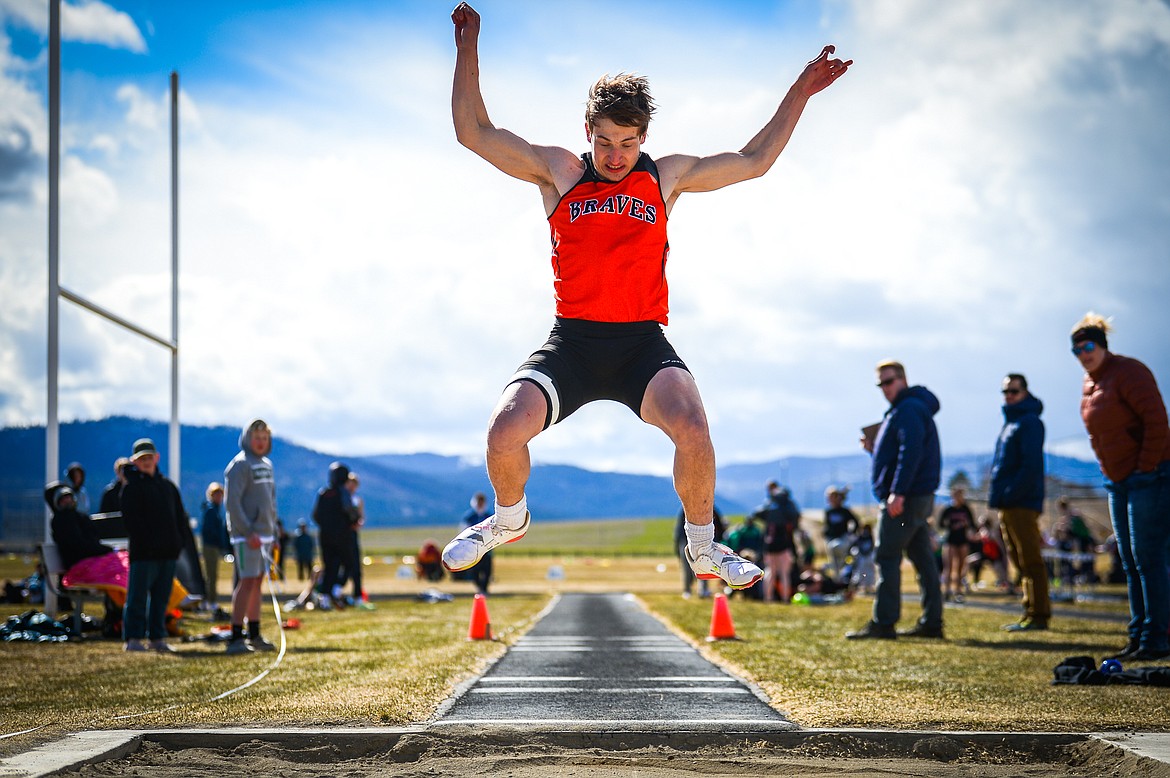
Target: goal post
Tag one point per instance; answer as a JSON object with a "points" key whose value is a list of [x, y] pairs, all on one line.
{"points": [[56, 292]]}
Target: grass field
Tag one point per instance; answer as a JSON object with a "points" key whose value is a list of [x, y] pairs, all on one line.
{"points": [[616, 537], [396, 664]]}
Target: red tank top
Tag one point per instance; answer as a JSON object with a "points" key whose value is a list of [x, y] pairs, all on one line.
{"points": [[609, 247]]}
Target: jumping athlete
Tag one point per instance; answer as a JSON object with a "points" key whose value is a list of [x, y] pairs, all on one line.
{"points": [[608, 211]]}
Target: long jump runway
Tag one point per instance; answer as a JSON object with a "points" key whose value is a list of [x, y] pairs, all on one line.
{"points": [[601, 659]]}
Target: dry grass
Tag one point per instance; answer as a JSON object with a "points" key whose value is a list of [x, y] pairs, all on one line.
{"points": [[396, 664], [391, 666], [607, 538], [981, 678]]}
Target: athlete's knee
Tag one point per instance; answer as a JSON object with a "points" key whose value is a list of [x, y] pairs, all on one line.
{"points": [[672, 403], [503, 439], [688, 429], [519, 417]]}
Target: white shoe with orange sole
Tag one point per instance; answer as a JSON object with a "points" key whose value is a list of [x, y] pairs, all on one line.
{"points": [[723, 564], [471, 544]]}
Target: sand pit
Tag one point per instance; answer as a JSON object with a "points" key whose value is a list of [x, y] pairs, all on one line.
{"points": [[463, 754]]}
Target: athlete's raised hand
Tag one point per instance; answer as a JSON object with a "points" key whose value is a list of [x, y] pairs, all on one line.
{"points": [[821, 72], [466, 21]]}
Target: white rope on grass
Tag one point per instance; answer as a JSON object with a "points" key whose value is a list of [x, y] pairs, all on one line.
{"points": [[279, 656], [275, 663], [23, 732]]}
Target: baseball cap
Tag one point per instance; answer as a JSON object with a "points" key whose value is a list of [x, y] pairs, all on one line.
{"points": [[143, 446]]}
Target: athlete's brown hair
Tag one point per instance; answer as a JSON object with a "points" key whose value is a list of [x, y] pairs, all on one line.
{"points": [[624, 99]]}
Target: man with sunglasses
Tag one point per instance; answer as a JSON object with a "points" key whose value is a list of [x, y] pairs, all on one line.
{"points": [[907, 463], [1017, 492]]}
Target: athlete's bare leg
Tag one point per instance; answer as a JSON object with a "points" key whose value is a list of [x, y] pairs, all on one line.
{"points": [[672, 404], [518, 418]]}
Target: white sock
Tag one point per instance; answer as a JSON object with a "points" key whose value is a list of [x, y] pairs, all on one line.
{"points": [[512, 516], [699, 537]]}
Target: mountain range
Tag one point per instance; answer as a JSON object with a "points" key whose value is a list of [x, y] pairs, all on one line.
{"points": [[430, 489]]}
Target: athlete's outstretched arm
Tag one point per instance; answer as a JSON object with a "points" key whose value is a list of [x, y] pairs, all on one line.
{"points": [[702, 174], [507, 151]]}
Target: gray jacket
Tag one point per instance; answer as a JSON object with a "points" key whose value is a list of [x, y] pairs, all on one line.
{"points": [[249, 493]]}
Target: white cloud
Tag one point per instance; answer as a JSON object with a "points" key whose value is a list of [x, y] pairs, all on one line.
{"points": [[22, 125], [94, 22], [30, 13], [87, 21], [89, 197], [142, 112]]}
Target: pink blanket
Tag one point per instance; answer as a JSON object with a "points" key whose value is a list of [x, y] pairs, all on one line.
{"points": [[109, 571]]}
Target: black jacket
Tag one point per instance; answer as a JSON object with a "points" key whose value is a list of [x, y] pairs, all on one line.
{"points": [[111, 498], [335, 515], [156, 522], [76, 536]]}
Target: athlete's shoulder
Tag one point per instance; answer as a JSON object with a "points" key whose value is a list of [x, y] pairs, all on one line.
{"points": [[676, 164], [670, 170], [565, 169], [560, 160]]}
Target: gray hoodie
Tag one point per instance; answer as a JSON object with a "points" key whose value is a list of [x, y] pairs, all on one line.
{"points": [[250, 492]]}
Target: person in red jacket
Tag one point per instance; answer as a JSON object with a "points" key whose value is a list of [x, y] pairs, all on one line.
{"points": [[1126, 419], [608, 211]]}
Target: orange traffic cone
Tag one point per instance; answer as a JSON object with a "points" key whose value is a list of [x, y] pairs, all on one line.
{"points": [[721, 626], [481, 625]]}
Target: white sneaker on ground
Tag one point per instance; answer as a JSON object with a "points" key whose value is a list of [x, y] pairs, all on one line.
{"points": [[162, 646], [135, 645], [471, 544], [721, 563]]}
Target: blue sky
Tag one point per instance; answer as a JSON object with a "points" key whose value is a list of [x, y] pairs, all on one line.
{"points": [[985, 174]]}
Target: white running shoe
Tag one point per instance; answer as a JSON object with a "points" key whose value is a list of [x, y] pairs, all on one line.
{"points": [[471, 544], [723, 564]]}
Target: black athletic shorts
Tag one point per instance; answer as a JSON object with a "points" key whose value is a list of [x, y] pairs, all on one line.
{"points": [[583, 361]]}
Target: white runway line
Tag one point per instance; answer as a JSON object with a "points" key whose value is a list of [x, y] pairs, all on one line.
{"points": [[672, 724], [586, 639], [522, 649], [630, 690], [585, 679]]}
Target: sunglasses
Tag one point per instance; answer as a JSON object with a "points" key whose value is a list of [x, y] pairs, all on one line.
{"points": [[1088, 348], [887, 382], [1013, 392]]}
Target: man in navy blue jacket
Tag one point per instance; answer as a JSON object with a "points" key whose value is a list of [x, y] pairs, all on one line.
{"points": [[905, 474], [1017, 491]]}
